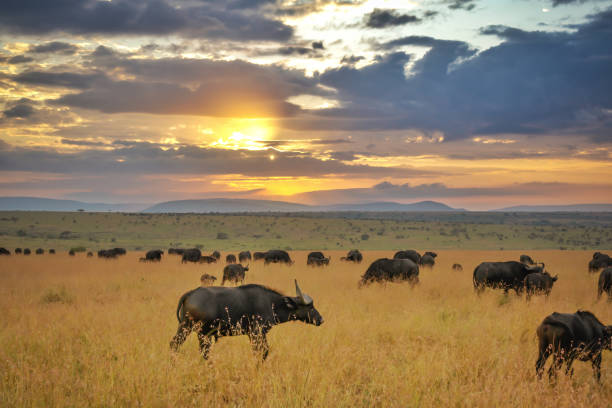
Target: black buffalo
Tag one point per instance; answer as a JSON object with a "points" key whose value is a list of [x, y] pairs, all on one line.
{"points": [[277, 256], [411, 254], [569, 336], [539, 283], [503, 275], [230, 259], [599, 262], [317, 259], [4, 251], [40, 251], [154, 255], [234, 273], [385, 269], [457, 267], [526, 259], [27, 251], [119, 251], [191, 255], [244, 256], [18, 250], [52, 251], [605, 283], [72, 252], [250, 310], [207, 259], [353, 256], [207, 280], [176, 251], [428, 259], [111, 253], [89, 254], [216, 254], [259, 255]]}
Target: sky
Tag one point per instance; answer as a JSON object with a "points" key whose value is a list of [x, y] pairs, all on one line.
{"points": [[478, 104]]}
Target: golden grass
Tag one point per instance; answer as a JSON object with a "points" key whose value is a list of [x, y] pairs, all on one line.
{"points": [[103, 338]]}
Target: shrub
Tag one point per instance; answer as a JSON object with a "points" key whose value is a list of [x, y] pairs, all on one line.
{"points": [[222, 235], [365, 237]]}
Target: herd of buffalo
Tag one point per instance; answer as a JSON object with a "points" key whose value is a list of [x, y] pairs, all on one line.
{"points": [[252, 309]]}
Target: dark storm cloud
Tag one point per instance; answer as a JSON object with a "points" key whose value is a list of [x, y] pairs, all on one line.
{"points": [[19, 110], [60, 79], [150, 158], [54, 47], [380, 18], [139, 17]]}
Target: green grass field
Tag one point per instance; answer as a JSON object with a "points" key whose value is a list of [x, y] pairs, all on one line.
{"points": [[492, 231]]}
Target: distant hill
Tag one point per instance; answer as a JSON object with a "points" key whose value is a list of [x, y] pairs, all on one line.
{"points": [[50, 204], [225, 205], [559, 208]]}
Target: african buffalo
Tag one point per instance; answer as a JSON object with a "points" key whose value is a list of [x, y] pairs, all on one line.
{"points": [[234, 273], [52, 251], [538, 283], [244, 256], [216, 255], [4, 251], [191, 255], [428, 259], [599, 262], [207, 280], [526, 259], [411, 254], [207, 259], [569, 336], [385, 269], [72, 252], [503, 275], [259, 255], [154, 255], [457, 267], [89, 254], [605, 283], [18, 250], [317, 259], [27, 251], [250, 310], [353, 256], [111, 253], [230, 259], [277, 256], [40, 251], [176, 251]]}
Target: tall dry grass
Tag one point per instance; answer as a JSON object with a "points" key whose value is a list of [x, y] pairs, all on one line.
{"points": [[86, 332]]}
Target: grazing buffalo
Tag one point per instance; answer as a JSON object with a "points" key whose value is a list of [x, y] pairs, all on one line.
{"points": [[428, 259], [539, 283], [154, 255], [176, 251], [191, 255], [208, 259], [317, 259], [72, 252], [27, 251], [230, 259], [4, 251], [277, 256], [234, 273], [250, 310], [457, 267], [244, 256], [599, 262], [353, 256], [526, 259], [385, 269], [569, 336], [18, 250], [411, 254], [89, 254], [259, 255], [216, 255], [605, 283], [207, 280], [52, 251], [503, 275], [40, 251]]}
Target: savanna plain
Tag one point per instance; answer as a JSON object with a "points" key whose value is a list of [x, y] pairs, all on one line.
{"points": [[78, 331]]}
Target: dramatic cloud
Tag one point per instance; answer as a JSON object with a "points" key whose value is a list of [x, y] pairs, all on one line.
{"points": [[54, 47], [461, 4], [379, 18]]}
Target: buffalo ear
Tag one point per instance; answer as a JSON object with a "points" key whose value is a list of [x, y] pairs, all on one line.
{"points": [[554, 279], [290, 303]]}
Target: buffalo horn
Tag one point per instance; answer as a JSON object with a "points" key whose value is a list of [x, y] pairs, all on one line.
{"points": [[304, 299]]}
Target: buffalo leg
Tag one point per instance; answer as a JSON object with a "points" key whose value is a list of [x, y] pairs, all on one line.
{"points": [[597, 367], [182, 332], [557, 363], [570, 360], [544, 353], [205, 344], [260, 345]]}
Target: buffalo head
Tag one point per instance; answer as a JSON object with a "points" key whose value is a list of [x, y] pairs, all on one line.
{"points": [[302, 307]]}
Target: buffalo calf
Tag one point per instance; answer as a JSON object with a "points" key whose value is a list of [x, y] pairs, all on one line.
{"points": [[605, 283]]}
